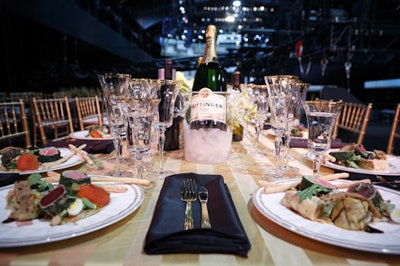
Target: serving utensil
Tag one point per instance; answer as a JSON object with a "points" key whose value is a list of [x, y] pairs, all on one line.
{"points": [[203, 198], [188, 195]]}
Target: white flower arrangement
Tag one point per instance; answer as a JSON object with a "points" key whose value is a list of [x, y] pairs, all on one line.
{"points": [[240, 107]]}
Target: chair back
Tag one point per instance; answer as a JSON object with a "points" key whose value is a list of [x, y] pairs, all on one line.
{"points": [[14, 124], [354, 117], [88, 111], [394, 132], [52, 117]]}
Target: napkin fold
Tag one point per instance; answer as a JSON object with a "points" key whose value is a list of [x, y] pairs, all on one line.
{"points": [[92, 146], [303, 143], [8, 178], [166, 233]]}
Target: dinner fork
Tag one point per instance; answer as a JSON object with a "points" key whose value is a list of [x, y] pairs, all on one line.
{"points": [[188, 193]]}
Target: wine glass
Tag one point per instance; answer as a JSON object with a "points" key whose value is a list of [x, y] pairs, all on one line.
{"points": [[321, 117], [259, 95], [139, 113], [113, 87], [280, 95], [167, 93]]}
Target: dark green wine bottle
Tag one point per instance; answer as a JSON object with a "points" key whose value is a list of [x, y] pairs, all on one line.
{"points": [[208, 106]]}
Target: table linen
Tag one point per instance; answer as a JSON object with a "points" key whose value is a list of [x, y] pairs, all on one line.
{"points": [[123, 242]]}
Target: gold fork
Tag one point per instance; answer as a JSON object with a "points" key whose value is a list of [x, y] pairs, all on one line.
{"points": [[188, 195]]}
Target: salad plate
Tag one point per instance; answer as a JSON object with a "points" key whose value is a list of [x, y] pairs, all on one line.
{"points": [[74, 160], [84, 135], [37, 231], [394, 166], [388, 242], [271, 132]]}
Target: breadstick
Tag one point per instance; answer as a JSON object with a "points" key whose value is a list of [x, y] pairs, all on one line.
{"points": [[114, 188], [81, 153], [334, 176], [270, 187], [348, 184], [278, 188], [55, 177]]}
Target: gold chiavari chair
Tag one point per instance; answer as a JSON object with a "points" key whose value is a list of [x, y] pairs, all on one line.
{"points": [[394, 133], [354, 118], [88, 111], [52, 118], [14, 123]]}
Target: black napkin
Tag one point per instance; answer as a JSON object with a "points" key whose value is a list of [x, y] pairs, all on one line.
{"points": [[166, 234], [93, 146], [8, 178], [303, 143]]}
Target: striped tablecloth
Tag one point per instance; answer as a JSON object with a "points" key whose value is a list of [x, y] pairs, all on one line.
{"points": [[122, 243]]}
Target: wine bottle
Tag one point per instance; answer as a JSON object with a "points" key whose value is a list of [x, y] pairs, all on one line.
{"points": [[208, 104], [171, 133], [237, 129]]}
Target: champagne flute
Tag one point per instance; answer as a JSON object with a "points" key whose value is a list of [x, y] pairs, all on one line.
{"points": [[280, 91], [259, 95], [167, 95], [299, 94], [321, 117], [113, 87]]}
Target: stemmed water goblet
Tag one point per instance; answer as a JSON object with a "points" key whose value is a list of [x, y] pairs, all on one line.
{"points": [[259, 95], [167, 93], [113, 87], [280, 96], [146, 88], [321, 118], [139, 113]]}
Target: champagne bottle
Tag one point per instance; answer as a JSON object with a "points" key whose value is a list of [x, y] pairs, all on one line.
{"points": [[208, 106]]}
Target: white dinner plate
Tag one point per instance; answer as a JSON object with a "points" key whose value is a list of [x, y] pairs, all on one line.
{"points": [[33, 232], [74, 160], [387, 242], [84, 134], [394, 166]]}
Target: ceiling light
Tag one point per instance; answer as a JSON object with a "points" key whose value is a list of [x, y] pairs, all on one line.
{"points": [[236, 3], [230, 18]]}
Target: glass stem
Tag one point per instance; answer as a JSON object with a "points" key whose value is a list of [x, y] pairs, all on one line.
{"points": [[161, 144], [258, 129], [139, 165], [317, 164], [118, 149], [286, 148], [278, 145]]}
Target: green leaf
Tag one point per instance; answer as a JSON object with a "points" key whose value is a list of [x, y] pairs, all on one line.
{"points": [[35, 180], [312, 190]]}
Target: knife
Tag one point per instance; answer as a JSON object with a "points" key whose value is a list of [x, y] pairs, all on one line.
{"points": [[203, 198]]}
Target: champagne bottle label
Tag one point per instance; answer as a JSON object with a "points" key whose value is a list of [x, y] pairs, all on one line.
{"points": [[206, 106]]}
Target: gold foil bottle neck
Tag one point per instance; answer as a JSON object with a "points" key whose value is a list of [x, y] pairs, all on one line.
{"points": [[210, 53]]}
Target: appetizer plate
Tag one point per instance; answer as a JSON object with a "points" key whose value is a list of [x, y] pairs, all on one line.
{"points": [[84, 134], [33, 232], [394, 166], [74, 160], [272, 133], [387, 242]]}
